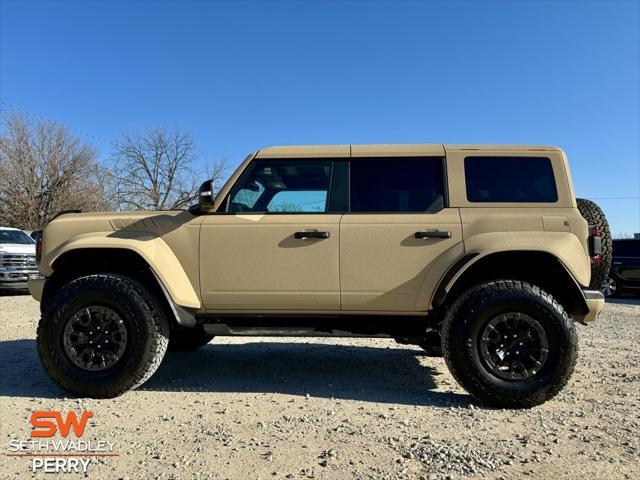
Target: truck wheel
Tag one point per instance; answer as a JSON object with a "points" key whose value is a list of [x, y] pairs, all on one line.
{"points": [[102, 335], [595, 217], [509, 343], [184, 339]]}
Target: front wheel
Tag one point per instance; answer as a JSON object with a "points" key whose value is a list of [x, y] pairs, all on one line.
{"points": [[509, 343], [102, 335]]}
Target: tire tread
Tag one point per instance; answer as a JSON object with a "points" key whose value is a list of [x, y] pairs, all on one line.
{"points": [[594, 215], [118, 284], [476, 297]]}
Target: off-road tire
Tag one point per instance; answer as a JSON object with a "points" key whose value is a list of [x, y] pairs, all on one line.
{"points": [[147, 328], [467, 318], [185, 339], [594, 216]]}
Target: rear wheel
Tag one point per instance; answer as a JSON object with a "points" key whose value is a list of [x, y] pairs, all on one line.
{"points": [[102, 335], [509, 343], [595, 217]]}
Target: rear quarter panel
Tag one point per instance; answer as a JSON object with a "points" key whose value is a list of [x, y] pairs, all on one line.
{"points": [[556, 228]]}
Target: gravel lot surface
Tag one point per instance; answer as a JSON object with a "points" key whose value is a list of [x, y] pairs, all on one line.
{"points": [[315, 408]]}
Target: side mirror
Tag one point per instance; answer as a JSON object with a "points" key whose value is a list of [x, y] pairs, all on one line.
{"points": [[205, 196]]}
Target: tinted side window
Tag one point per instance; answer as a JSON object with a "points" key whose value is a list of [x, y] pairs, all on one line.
{"points": [[397, 184], [282, 186], [510, 179]]}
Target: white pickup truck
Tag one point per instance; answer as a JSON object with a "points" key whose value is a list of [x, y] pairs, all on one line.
{"points": [[17, 259]]}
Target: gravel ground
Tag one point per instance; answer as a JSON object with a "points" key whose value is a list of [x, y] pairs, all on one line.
{"points": [[315, 408]]}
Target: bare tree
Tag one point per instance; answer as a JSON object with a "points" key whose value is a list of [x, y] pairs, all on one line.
{"points": [[218, 172], [154, 170], [44, 169]]}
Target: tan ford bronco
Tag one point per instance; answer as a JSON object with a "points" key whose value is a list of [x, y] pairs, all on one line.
{"points": [[481, 254]]}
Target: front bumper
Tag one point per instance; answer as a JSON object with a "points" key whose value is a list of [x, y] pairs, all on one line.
{"points": [[36, 286], [595, 304]]}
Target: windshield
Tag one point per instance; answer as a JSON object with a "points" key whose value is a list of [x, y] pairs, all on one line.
{"points": [[15, 236]]}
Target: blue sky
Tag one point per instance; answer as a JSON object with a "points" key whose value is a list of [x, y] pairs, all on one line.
{"points": [[239, 76]]}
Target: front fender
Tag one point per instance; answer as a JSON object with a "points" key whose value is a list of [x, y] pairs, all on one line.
{"points": [[152, 248]]}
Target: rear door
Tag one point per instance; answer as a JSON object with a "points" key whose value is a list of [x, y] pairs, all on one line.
{"points": [[399, 235]]}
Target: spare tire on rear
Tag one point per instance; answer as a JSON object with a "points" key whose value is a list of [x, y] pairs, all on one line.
{"points": [[595, 217]]}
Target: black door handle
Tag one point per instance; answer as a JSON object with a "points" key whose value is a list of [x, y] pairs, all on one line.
{"points": [[312, 234], [433, 234]]}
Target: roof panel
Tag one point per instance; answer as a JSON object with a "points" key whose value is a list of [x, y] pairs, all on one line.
{"points": [[305, 151], [525, 148], [398, 150]]}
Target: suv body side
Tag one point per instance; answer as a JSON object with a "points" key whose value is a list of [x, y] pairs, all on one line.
{"points": [[382, 267], [477, 254], [370, 262]]}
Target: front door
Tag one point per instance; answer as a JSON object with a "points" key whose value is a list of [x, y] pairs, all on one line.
{"points": [[275, 247], [399, 236]]}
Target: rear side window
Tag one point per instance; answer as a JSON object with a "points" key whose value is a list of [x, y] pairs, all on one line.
{"points": [[510, 179], [400, 185]]}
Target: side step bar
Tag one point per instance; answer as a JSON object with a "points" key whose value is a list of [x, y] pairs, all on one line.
{"points": [[314, 326]]}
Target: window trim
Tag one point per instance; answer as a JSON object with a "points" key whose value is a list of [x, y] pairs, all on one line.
{"points": [[337, 190], [489, 203]]}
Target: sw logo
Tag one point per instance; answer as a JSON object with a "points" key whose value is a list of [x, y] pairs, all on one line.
{"points": [[45, 426], [57, 444]]}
